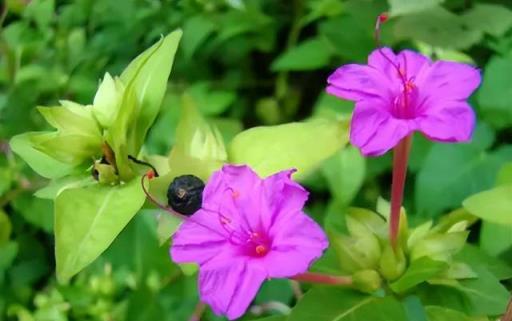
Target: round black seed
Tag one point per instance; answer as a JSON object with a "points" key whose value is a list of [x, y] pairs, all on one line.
{"points": [[185, 194]]}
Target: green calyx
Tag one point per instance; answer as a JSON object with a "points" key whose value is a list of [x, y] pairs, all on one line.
{"points": [[123, 109], [424, 253]]}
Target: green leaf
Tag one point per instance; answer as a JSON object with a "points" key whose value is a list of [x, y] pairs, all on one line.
{"points": [[439, 247], [401, 7], [419, 271], [295, 145], [52, 190], [73, 119], [107, 100], [345, 173], [273, 318], [88, 219], [40, 162], [505, 175], [475, 258], [195, 31], [199, 148], [486, 294], [147, 256], [36, 211], [210, 101], [495, 239], [5, 227], [146, 81], [70, 148], [354, 45], [437, 313], [334, 304], [493, 96], [495, 90], [493, 206], [451, 172], [167, 225], [437, 27], [478, 18], [414, 309], [308, 55]]}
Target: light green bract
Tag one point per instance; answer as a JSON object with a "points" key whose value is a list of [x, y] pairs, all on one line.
{"points": [[90, 214]]}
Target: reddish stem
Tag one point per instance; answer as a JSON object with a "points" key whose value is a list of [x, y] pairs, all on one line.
{"points": [[400, 159], [508, 313], [198, 312], [311, 277]]}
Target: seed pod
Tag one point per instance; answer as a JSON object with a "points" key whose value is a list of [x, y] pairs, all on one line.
{"points": [[185, 194]]}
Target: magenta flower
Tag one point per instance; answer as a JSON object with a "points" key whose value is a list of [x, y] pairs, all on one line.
{"points": [[248, 229], [398, 94]]}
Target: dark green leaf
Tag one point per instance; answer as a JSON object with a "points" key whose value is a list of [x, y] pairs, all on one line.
{"points": [[332, 304], [419, 271], [310, 54]]}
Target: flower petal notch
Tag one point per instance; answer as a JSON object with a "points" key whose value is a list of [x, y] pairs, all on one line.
{"points": [[248, 229], [397, 94]]}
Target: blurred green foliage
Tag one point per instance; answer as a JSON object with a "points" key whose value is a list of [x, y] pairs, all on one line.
{"points": [[243, 63]]}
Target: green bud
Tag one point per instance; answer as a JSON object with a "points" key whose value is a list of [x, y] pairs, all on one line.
{"points": [[357, 252], [107, 100], [367, 281], [371, 220], [439, 247], [105, 173], [392, 264]]}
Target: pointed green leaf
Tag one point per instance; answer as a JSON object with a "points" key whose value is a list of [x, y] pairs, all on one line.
{"points": [[72, 119], [311, 54], [303, 146], [437, 313], [107, 100], [199, 148], [400, 7], [88, 219], [419, 271], [68, 148], [345, 173], [494, 205], [40, 162], [146, 81]]}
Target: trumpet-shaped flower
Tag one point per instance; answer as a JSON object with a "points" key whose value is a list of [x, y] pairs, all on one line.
{"points": [[396, 95], [248, 230]]}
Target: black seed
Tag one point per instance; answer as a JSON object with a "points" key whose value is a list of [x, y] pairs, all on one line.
{"points": [[185, 194]]}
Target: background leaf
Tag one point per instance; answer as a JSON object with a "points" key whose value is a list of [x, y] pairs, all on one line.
{"points": [[300, 145]]}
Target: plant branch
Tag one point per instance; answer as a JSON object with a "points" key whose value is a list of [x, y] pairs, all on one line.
{"points": [[311, 277]]}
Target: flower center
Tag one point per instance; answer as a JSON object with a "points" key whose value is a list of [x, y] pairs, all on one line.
{"points": [[261, 250], [257, 245], [403, 105]]}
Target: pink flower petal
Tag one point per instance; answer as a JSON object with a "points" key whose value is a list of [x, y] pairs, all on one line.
{"points": [[447, 80], [230, 290], [412, 63], [283, 195], [198, 239], [374, 131], [454, 122], [356, 82], [297, 242]]}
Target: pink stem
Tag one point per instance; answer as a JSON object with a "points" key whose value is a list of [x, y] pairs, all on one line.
{"points": [[400, 159], [198, 312], [311, 277]]}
